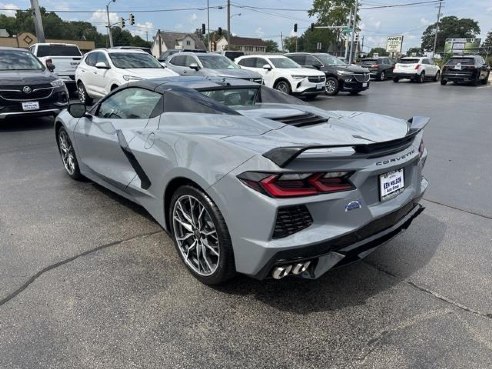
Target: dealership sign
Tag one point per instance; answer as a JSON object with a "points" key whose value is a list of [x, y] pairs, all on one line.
{"points": [[394, 44]]}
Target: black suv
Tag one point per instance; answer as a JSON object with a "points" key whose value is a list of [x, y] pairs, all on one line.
{"points": [[340, 76], [27, 87], [381, 68], [469, 68]]}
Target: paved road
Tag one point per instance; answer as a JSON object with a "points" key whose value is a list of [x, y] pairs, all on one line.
{"points": [[89, 280]]}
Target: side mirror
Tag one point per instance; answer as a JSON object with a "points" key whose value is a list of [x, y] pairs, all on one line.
{"points": [[317, 66], [102, 65], [194, 66], [163, 64], [77, 110], [267, 67], [51, 67]]}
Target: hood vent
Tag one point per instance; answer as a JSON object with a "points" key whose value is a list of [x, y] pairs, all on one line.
{"points": [[301, 120]]}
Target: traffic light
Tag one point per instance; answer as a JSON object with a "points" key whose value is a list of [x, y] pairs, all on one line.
{"points": [[219, 31], [132, 19], [312, 27], [122, 22], [203, 28], [295, 27]]}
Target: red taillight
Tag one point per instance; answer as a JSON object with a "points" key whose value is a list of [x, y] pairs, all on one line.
{"points": [[297, 184], [374, 66], [417, 66]]}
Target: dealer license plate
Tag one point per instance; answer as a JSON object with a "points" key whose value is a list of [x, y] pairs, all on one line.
{"points": [[30, 105], [364, 84], [391, 184]]}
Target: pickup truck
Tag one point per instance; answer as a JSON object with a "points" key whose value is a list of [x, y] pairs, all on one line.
{"points": [[64, 57]]}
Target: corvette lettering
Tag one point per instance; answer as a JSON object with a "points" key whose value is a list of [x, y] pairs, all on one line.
{"points": [[397, 159]]}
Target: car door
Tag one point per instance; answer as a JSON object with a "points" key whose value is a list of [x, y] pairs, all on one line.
{"points": [[86, 72], [177, 63], [268, 75], [102, 138], [102, 75], [189, 60]]}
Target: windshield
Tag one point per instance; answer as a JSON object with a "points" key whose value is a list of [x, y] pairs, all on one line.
{"points": [[409, 61], [328, 59], [462, 61], [233, 96], [19, 60], [58, 50], [216, 62], [284, 63], [134, 60]]}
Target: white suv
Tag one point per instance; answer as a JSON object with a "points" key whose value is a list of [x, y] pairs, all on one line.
{"points": [[284, 74], [103, 70], [417, 69]]}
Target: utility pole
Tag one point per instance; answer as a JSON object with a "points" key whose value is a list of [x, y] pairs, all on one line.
{"points": [[354, 26], [110, 36], [281, 42], [159, 42], [208, 25], [38, 22], [437, 28], [346, 36], [229, 24]]}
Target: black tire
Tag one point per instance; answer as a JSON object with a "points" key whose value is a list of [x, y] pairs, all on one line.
{"points": [[382, 76], [332, 86], [396, 79], [421, 78], [83, 95], [437, 76], [283, 86], [486, 79], [67, 154], [444, 82], [225, 267]]}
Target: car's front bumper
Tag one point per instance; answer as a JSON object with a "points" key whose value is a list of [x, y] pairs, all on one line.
{"points": [[306, 87]]}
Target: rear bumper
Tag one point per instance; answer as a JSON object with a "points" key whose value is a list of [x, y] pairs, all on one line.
{"points": [[458, 77], [397, 74], [346, 248]]}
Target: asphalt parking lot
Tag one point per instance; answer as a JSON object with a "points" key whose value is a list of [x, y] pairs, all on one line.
{"points": [[89, 280]]}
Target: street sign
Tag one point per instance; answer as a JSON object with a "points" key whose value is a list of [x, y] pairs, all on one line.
{"points": [[394, 44]]}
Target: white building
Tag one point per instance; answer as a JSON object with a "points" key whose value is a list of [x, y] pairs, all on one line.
{"points": [[164, 41], [245, 44]]}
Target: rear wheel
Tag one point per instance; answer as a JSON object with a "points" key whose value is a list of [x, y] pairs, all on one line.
{"points": [[395, 79], [444, 82], [421, 78], [283, 86], [331, 86], [83, 96], [437, 76], [382, 76], [201, 236]]}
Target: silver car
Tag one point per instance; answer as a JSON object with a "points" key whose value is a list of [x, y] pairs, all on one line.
{"points": [[247, 179], [208, 64]]}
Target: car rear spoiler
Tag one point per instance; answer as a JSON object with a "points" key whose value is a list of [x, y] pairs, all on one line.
{"points": [[282, 156]]}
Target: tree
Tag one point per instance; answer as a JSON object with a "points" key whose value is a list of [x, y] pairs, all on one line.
{"points": [[487, 44], [380, 51], [449, 27], [415, 50], [271, 46]]}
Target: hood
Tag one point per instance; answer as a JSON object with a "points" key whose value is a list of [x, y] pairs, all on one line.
{"points": [[231, 73], [302, 71], [149, 72], [348, 68], [339, 127], [24, 77]]}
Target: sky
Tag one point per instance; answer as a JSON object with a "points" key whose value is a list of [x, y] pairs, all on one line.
{"points": [[376, 24]]}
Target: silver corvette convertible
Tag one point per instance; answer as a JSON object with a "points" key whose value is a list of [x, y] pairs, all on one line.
{"points": [[246, 179]]}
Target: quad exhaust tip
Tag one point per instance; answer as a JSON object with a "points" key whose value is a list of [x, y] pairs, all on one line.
{"points": [[280, 272]]}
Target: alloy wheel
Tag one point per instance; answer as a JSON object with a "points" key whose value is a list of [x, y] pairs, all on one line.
{"points": [[81, 92], [196, 235], [67, 152], [283, 87], [330, 86]]}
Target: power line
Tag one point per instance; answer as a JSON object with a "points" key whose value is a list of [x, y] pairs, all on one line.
{"points": [[120, 11], [433, 2]]}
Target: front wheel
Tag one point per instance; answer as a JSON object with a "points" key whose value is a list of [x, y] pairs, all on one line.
{"points": [[283, 86], [67, 153], [486, 79], [331, 86], [83, 95], [437, 76], [201, 237]]}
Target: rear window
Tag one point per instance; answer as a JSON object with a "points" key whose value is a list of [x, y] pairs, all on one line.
{"points": [[462, 61], [409, 61], [369, 61], [58, 50]]}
